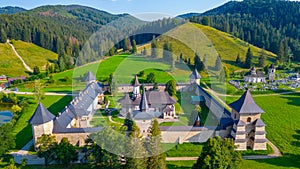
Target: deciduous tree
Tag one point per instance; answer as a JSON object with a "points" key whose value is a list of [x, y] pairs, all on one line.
{"points": [[45, 147], [218, 153], [151, 78], [65, 152], [7, 139], [171, 87]]}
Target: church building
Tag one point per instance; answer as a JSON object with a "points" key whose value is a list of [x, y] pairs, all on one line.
{"points": [[254, 76]]}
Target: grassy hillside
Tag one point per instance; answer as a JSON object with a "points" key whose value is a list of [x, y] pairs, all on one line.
{"points": [[229, 46], [34, 55], [9, 61], [208, 41]]}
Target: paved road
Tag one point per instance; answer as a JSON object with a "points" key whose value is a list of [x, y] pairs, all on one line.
{"points": [[47, 93], [24, 63]]}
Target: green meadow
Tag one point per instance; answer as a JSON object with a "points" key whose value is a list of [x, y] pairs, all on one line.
{"points": [[8, 61], [122, 68], [34, 55]]}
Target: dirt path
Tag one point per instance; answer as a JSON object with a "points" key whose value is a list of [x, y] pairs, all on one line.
{"points": [[24, 63], [276, 153]]}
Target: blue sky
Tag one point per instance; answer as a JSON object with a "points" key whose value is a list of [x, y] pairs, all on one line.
{"points": [[134, 7]]}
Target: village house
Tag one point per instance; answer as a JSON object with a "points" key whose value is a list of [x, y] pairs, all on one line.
{"points": [[254, 76]]}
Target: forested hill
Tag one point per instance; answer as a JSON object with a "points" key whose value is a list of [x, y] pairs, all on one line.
{"points": [[67, 29], [77, 12], [270, 24], [61, 29], [11, 10]]}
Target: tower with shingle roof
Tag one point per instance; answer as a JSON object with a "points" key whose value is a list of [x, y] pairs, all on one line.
{"points": [[89, 78], [136, 88], [41, 122], [271, 72], [144, 107], [195, 77], [248, 129]]}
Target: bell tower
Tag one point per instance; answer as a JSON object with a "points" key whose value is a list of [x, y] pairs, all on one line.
{"points": [[136, 88]]}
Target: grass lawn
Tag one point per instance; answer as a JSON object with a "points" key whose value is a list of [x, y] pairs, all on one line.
{"points": [[180, 164], [8, 61], [34, 55], [183, 150]]}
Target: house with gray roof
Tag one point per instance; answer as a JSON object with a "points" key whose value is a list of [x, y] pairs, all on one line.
{"points": [[248, 129]]}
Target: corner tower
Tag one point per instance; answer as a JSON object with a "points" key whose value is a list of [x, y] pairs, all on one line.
{"points": [[195, 77], [248, 128], [41, 122]]}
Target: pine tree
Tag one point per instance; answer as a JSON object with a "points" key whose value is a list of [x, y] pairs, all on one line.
{"points": [[218, 63], [134, 48], [280, 56], [167, 53], [156, 159], [36, 70], [248, 61], [204, 60], [144, 52], [205, 21], [238, 59], [262, 59], [154, 46], [198, 64], [127, 45], [135, 152], [128, 122], [3, 36], [181, 59]]}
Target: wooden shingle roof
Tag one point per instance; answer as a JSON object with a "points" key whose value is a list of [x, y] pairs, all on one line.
{"points": [[41, 115], [245, 104], [90, 77]]}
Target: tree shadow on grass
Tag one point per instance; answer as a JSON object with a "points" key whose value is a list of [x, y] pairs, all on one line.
{"points": [[294, 99], [60, 105], [288, 160], [23, 137], [296, 142]]}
